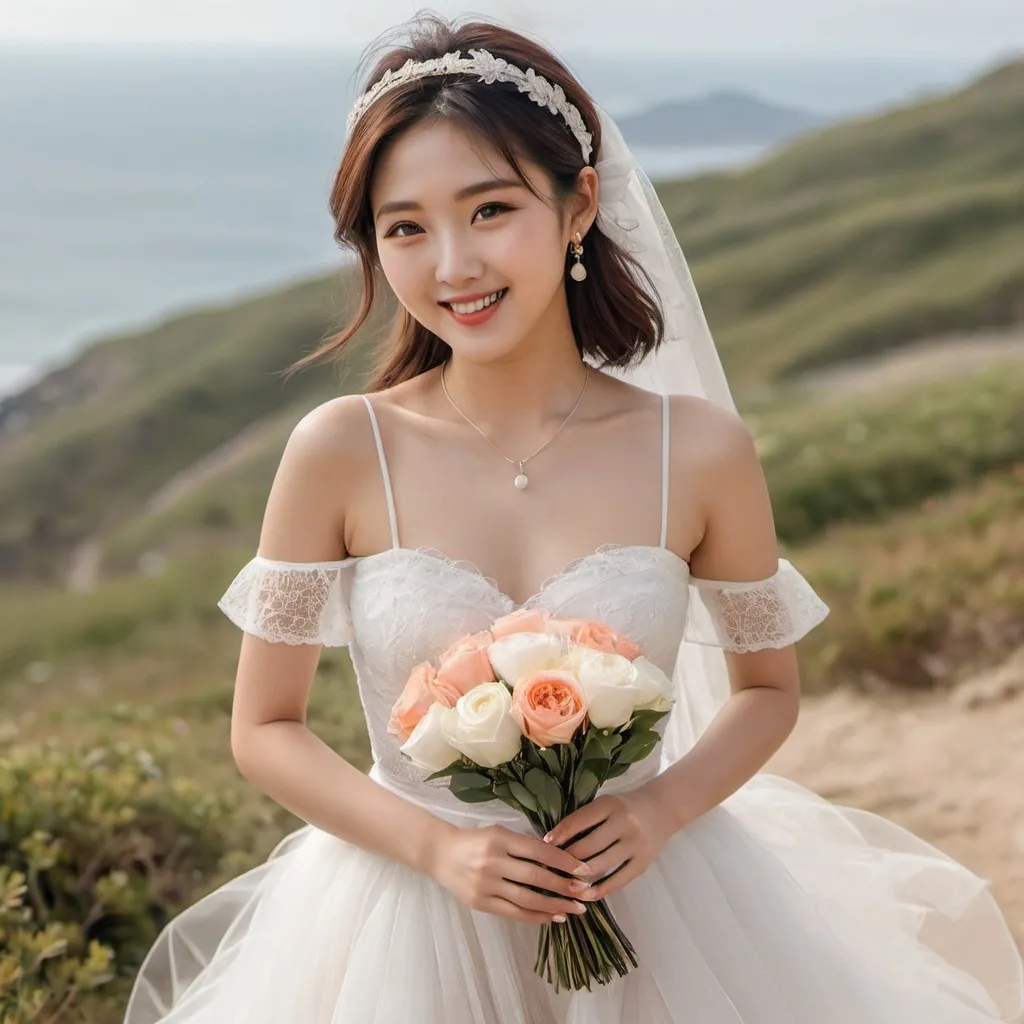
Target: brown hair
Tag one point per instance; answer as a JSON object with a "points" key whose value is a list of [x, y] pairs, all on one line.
{"points": [[615, 320]]}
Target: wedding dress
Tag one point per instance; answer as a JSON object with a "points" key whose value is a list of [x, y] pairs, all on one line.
{"points": [[774, 908]]}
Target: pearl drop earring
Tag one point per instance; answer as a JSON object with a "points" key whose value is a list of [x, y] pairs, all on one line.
{"points": [[578, 272]]}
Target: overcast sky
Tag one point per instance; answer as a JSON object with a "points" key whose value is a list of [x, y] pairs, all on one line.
{"points": [[974, 29]]}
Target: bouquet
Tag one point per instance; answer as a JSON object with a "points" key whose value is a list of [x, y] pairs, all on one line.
{"points": [[539, 712]]}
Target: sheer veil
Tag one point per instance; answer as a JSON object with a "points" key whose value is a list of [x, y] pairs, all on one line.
{"points": [[686, 363], [887, 880]]}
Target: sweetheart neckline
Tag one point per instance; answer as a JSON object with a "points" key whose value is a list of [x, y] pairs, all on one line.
{"points": [[471, 569]]}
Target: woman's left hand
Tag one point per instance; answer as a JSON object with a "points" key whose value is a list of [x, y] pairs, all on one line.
{"points": [[630, 832]]}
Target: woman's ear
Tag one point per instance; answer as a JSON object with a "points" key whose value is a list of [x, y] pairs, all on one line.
{"points": [[584, 202]]}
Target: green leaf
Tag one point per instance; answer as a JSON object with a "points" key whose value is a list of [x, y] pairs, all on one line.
{"points": [[617, 769], [503, 791], [531, 754], [585, 786], [552, 761], [546, 790], [474, 796], [645, 719], [638, 746], [606, 742], [464, 780], [523, 795], [444, 773]]}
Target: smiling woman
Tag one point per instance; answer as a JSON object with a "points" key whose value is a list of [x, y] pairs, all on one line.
{"points": [[497, 205], [469, 184]]}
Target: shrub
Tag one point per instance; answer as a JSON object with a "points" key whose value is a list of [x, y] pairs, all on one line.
{"points": [[98, 848]]}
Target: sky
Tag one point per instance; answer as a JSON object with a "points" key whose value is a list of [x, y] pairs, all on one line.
{"points": [[975, 29]]}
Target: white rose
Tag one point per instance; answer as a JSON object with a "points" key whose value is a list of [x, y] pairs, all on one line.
{"points": [[655, 687], [481, 726], [610, 685], [426, 746], [519, 655]]}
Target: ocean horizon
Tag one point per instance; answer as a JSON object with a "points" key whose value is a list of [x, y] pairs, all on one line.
{"points": [[134, 186]]}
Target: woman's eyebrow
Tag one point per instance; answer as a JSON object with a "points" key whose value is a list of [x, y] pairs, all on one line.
{"points": [[404, 205]]}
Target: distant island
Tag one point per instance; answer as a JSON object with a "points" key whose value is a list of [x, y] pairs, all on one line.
{"points": [[724, 118]]}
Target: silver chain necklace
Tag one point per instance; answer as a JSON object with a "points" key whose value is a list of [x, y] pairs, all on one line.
{"points": [[522, 479]]}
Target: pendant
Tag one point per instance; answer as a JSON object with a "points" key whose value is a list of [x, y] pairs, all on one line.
{"points": [[521, 481]]}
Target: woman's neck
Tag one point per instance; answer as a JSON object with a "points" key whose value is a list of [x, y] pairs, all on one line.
{"points": [[518, 395]]}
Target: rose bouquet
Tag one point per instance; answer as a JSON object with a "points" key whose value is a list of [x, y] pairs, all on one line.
{"points": [[539, 712]]}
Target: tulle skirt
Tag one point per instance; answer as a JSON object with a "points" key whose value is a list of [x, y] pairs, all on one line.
{"points": [[775, 908]]}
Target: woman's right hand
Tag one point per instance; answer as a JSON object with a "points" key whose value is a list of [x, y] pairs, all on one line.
{"points": [[490, 869]]}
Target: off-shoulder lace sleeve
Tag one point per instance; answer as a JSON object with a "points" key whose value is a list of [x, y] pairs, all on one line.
{"points": [[744, 617], [290, 602]]}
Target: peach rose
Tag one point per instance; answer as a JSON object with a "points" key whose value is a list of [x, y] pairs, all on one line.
{"points": [[412, 705], [549, 707], [599, 636], [464, 665], [525, 620]]}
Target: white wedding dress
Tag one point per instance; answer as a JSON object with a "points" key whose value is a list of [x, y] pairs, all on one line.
{"points": [[774, 908]]}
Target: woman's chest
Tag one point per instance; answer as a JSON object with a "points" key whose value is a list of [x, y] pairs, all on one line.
{"points": [[408, 605]]}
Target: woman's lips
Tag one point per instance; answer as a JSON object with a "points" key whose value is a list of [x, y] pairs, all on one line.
{"points": [[479, 316]]}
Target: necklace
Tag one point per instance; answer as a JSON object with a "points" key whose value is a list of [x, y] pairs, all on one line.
{"points": [[522, 479]]}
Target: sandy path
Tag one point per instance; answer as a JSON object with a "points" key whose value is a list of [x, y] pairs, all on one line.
{"points": [[925, 360], [949, 767]]}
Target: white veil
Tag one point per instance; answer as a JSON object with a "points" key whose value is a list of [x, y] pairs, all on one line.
{"points": [[891, 885], [686, 363]]}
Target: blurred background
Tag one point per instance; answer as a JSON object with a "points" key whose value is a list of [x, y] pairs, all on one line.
{"points": [[847, 181]]}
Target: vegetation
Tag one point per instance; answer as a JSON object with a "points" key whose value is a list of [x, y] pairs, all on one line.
{"points": [[853, 240], [903, 509], [98, 846]]}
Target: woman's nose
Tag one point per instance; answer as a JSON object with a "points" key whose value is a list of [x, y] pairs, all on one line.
{"points": [[457, 262]]}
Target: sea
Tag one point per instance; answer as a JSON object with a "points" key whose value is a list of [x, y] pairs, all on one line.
{"points": [[138, 183]]}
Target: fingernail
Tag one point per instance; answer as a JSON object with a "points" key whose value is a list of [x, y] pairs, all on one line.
{"points": [[581, 908], [547, 838], [559, 919], [579, 886], [583, 869]]}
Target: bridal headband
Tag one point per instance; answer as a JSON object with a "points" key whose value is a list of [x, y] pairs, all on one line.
{"points": [[489, 69]]}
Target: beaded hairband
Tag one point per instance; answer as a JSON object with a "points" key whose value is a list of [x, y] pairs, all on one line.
{"points": [[490, 69]]}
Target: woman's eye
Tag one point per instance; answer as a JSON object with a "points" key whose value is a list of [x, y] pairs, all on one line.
{"points": [[494, 208], [398, 231]]}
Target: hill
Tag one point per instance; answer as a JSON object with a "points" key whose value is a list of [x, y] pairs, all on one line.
{"points": [[144, 465], [866, 236], [722, 118], [856, 240]]}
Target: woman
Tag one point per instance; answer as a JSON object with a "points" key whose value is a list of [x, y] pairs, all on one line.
{"points": [[539, 435]]}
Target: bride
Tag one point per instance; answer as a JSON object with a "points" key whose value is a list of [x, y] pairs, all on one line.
{"points": [[548, 427]]}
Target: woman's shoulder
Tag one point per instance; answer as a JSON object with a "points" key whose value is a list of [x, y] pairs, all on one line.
{"points": [[336, 432], [342, 427], [703, 431], [335, 440]]}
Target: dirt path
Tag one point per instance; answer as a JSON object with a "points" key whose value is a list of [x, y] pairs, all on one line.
{"points": [[86, 560], [950, 768], [223, 458], [926, 360]]}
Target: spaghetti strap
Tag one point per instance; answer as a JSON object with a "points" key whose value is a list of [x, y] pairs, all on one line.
{"points": [[392, 518], [664, 471]]}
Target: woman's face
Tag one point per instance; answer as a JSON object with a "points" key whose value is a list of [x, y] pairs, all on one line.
{"points": [[456, 228]]}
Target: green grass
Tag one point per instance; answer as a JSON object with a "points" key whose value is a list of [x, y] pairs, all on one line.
{"points": [[83, 468], [862, 458], [925, 599], [853, 240]]}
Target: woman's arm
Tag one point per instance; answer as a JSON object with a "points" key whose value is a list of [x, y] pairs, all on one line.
{"points": [[324, 460], [738, 544], [270, 741], [717, 466]]}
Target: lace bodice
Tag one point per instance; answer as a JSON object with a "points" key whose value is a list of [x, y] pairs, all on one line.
{"points": [[405, 605], [402, 606]]}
